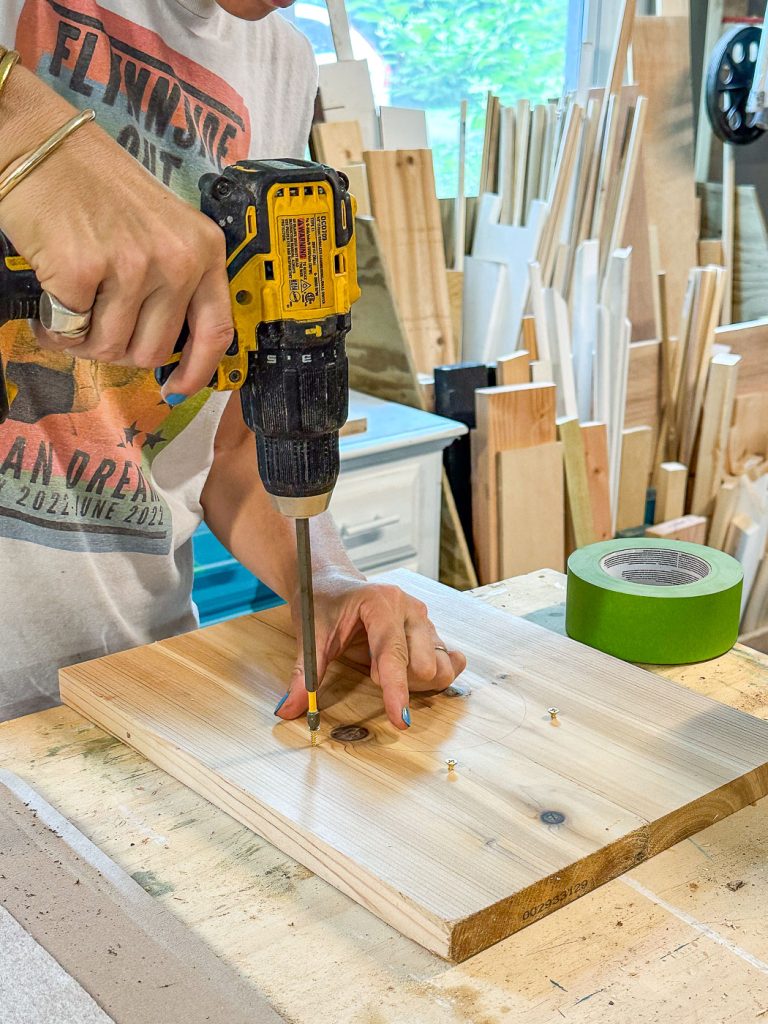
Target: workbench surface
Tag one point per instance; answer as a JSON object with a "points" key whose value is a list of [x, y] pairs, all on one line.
{"points": [[682, 938]]}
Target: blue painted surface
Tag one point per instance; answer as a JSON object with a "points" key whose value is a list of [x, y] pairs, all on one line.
{"points": [[223, 588]]}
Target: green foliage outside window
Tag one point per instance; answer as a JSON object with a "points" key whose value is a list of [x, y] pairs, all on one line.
{"points": [[443, 51]]}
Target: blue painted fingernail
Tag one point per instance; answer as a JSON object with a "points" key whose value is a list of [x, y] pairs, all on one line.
{"points": [[174, 399], [407, 716], [282, 701]]}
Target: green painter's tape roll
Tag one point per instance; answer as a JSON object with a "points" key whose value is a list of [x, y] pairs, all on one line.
{"points": [[654, 601]]}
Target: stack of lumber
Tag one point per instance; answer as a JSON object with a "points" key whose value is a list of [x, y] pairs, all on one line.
{"points": [[570, 298]]}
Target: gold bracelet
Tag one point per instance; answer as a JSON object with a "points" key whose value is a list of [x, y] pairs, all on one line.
{"points": [[8, 61], [10, 179]]}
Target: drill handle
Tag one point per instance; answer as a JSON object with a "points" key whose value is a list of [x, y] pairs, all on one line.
{"points": [[162, 373]]}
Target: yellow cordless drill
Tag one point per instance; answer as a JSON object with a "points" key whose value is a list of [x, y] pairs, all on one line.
{"points": [[291, 260]]}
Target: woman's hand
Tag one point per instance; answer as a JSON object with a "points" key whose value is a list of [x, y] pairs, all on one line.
{"points": [[100, 231], [381, 628]]}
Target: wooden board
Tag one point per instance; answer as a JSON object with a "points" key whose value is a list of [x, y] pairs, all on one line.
{"points": [[595, 438], [514, 368], [337, 143], [691, 528], [536, 813], [531, 507], [715, 425], [636, 455], [402, 188], [403, 128], [661, 64], [518, 416], [579, 504], [671, 481]]}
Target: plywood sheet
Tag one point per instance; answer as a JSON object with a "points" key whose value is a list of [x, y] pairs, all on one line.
{"points": [[535, 814]]}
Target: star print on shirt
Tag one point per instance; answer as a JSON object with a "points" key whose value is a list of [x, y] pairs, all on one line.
{"points": [[131, 433], [152, 439]]}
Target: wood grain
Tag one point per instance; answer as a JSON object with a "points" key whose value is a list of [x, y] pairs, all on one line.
{"points": [[661, 64], [750, 247], [519, 416], [634, 764], [402, 189], [715, 425], [581, 529], [337, 143], [671, 481], [636, 455], [595, 438], [531, 503]]}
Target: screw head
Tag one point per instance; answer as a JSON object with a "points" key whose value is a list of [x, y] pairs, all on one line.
{"points": [[451, 762], [553, 713], [222, 189], [235, 376]]}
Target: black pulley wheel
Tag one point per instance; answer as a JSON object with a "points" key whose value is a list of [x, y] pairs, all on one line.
{"points": [[729, 80]]}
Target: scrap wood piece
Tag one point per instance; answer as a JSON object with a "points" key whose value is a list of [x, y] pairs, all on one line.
{"points": [[483, 328], [514, 368], [489, 169], [520, 416], [559, 331], [716, 419], [383, 822], [595, 438], [671, 483], [579, 500], [531, 509], [661, 65], [636, 456], [337, 143], [402, 189], [725, 506], [342, 38], [690, 528], [460, 209]]}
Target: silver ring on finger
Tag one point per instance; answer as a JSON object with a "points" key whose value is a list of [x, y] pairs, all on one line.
{"points": [[440, 647], [59, 319]]}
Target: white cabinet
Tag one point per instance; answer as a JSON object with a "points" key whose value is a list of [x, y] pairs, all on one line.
{"points": [[387, 501]]}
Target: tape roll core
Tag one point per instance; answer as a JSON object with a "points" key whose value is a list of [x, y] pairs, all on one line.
{"points": [[654, 601]]}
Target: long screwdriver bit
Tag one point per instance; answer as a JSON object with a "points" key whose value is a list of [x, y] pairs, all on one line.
{"points": [[304, 553]]}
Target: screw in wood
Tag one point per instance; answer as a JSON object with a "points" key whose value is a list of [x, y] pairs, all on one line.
{"points": [[451, 762], [553, 713]]}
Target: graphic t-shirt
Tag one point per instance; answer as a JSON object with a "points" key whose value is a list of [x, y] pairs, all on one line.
{"points": [[100, 481]]}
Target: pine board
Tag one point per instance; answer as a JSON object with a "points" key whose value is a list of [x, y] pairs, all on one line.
{"points": [[634, 764], [401, 184], [517, 416], [531, 501], [661, 64]]}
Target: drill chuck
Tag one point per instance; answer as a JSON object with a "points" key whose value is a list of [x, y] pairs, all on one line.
{"points": [[296, 401]]}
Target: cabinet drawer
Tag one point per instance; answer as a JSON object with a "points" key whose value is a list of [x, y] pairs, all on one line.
{"points": [[377, 513]]}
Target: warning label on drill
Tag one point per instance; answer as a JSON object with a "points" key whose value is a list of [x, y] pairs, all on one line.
{"points": [[305, 242]]}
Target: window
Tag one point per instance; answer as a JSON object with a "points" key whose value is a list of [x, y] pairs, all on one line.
{"points": [[434, 53]]}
